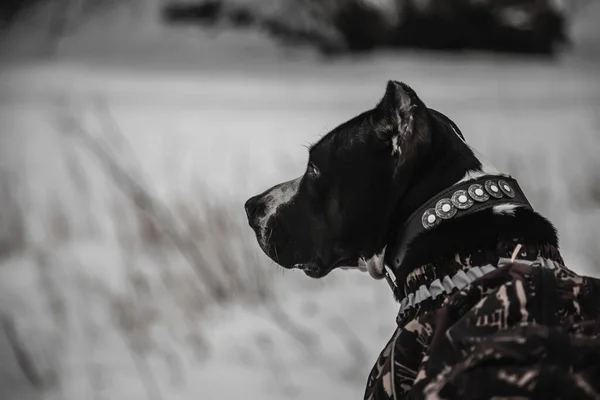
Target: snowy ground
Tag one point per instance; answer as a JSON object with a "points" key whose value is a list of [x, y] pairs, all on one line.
{"points": [[94, 303]]}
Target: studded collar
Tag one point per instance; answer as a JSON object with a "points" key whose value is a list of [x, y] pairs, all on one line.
{"points": [[457, 201]]}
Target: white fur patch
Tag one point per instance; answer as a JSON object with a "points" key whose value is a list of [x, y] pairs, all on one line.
{"points": [[356, 267], [374, 265], [505, 209], [487, 168], [279, 195], [396, 149]]}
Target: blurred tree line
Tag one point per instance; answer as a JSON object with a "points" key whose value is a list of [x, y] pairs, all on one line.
{"points": [[46, 22], [337, 26], [532, 26], [10, 9], [64, 13]]}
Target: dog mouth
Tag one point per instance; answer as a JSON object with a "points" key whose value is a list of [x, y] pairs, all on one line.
{"points": [[317, 270], [272, 244], [276, 245]]}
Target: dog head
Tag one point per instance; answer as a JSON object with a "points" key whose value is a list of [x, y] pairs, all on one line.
{"points": [[338, 212]]}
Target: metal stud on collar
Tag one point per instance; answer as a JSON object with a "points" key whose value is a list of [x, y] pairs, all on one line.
{"points": [[445, 209], [430, 219], [493, 189], [461, 200], [506, 188], [477, 193]]}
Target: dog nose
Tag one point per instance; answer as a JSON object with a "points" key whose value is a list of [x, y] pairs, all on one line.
{"points": [[251, 206]]}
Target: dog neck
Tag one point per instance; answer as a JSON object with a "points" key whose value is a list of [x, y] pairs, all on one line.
{"points": [[491, 233], [470, 196]]}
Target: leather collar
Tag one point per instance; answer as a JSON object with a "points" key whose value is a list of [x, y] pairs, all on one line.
{"points": [[459, 200]]}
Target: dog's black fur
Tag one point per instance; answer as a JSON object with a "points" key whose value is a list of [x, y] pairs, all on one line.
{"points": [[365, 178]]}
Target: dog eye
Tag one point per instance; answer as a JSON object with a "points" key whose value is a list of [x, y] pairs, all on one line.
{"points": [[312, 170]]}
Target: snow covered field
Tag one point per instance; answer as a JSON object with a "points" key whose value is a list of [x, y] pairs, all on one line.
{"points": [[99, 300]]}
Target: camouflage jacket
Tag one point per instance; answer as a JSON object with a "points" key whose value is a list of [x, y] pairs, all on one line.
{"points": [[529, 328]]}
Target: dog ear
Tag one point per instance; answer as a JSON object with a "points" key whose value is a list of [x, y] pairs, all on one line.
{"points": [[400, 116]]}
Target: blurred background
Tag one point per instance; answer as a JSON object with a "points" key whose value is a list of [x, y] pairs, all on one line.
{"points": [[132, 131]]}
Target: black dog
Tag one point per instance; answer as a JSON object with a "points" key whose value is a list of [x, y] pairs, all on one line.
{"points": [[398, 192]]}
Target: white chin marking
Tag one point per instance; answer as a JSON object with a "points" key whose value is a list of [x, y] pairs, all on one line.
{"points": [[356, 268], [374, 265], [505, 209]]}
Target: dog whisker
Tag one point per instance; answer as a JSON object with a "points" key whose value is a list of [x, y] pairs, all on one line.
{"points": [[307, 145], [276, 255]]}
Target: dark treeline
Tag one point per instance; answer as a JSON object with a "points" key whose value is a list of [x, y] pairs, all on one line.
{"points": [[529, 26], [11, 9], [60, 12]]}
